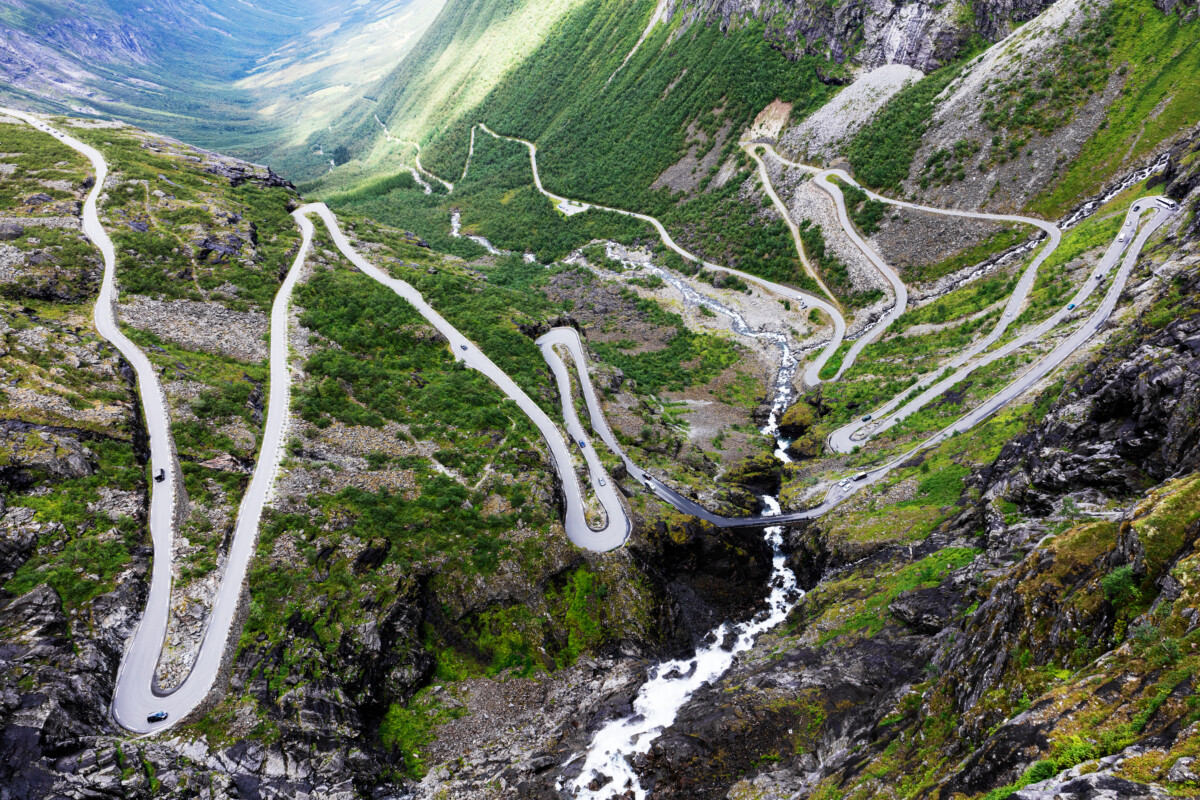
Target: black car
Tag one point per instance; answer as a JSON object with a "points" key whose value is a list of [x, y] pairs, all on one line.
{"points": [[157, 716], [161, 476]]}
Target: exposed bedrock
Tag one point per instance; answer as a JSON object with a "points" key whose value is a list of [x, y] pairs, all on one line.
{"points": [[872, 33]]}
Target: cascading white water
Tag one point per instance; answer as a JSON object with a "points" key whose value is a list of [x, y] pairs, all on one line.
{"points": [[1137, 176], [456, 232], [788, 363], [670, 685]]}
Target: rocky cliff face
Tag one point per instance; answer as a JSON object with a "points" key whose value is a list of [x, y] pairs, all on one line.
{"points": [[871, 33], [1057, 661]]}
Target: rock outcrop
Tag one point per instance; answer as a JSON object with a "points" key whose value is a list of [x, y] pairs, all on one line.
{"points": [[874, 33]]}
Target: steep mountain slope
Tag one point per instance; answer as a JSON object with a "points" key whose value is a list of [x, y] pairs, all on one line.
{"points": [[1008, 612], [920, 35], [181, 66], [414, 538]]}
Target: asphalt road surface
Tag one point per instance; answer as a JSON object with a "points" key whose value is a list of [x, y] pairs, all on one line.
{"points": [[137, 694]]}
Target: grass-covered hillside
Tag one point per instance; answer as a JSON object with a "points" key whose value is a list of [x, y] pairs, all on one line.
{"points": [[250, 78], [686, 93], [1072, 101], [413, 556]]}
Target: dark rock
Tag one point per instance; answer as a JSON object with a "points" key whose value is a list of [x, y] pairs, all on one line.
{"points": [[713, 574], [1096, 786], [535, 330], [139, 226], [925, 610], [10, 231], [868, 34], [41, 198], [223, 248]]}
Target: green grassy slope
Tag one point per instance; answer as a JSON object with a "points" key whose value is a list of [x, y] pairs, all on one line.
{"points": [[608, 142]]}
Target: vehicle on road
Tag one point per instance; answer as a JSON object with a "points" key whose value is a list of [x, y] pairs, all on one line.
{"points": [[1099, 276], [582, 444], [862, 476], [161, 476], [603, 482], [1121, 238], [1070, 306], [157, 716], [463, 346], [867, 418]]}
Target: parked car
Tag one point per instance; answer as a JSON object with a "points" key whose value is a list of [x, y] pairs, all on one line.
{"points": [[862, 476], [157, 716]]}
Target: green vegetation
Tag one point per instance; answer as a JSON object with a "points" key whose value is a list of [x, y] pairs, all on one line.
{"points": [[1120, 589], [1157, 57], [74, 560], [882, 151], [408, 729], [36, 157], [945, 166], [1054, 285], [868, 617], [998, 242], [835, 273], [174, 257], [688, 359], [865, 212], [498, 201], [395, 373], [1075, 67], [970, 299], [611, 152]]}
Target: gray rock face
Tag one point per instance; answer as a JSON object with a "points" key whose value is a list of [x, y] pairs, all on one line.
{"points": [[10, 231], [925, 610], [1097, 786], [872, 33]]}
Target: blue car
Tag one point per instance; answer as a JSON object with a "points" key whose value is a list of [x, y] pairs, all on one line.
{"points": [[157, 716]]}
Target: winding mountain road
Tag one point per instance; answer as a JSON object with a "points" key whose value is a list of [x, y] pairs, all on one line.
{"points": [[569, 338], [847, 438], [137, 693]]}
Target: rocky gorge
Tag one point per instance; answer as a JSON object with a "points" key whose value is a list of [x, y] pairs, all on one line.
{"points": [[1009, 613]]}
